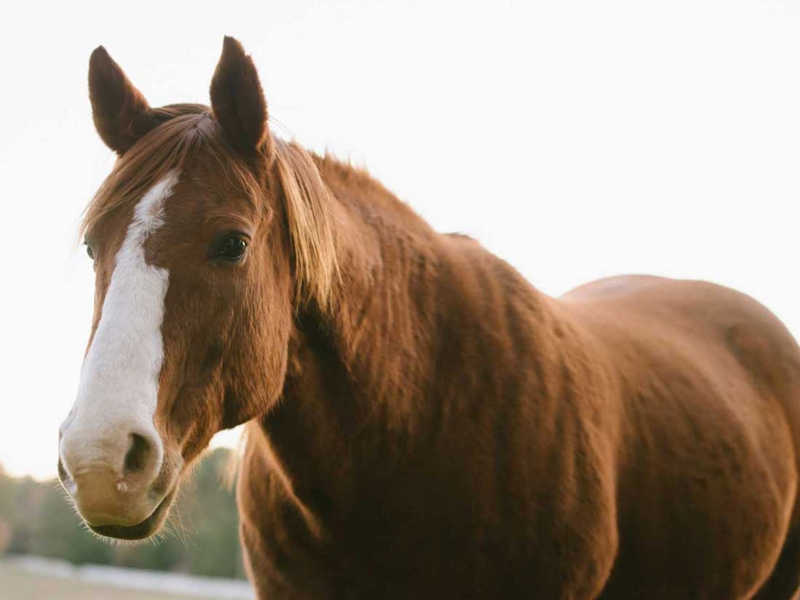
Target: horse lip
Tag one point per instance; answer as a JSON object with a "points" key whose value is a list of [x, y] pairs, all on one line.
{"points": [[139, 531]]}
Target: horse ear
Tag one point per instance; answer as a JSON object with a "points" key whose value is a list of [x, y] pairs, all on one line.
{"points": [[237, 99], [121, 114]]}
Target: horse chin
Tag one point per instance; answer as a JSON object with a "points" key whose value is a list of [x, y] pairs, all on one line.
{"points": [[140, 531]]}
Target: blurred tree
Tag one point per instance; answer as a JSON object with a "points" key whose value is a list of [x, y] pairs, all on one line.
{"points": [[208, 514], [201, 537], [56, 530]]}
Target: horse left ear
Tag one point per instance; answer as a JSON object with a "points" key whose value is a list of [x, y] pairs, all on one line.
{"points": [[121, 114], [238, 100]]}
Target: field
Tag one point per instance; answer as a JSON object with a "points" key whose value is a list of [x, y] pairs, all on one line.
{"points": [[50, 580]]}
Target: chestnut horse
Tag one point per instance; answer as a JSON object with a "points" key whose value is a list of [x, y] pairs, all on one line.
{"points": [[422, 423]]}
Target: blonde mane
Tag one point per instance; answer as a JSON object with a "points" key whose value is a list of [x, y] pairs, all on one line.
{"points": [[310, 221]]}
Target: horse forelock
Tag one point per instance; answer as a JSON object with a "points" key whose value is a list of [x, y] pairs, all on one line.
{"points": [[190, 129], [185, 130]]}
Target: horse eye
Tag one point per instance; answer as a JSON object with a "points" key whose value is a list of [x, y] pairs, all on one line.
{"points": [[231, 248], [89, 250]]}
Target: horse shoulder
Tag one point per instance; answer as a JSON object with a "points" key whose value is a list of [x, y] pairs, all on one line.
{"points": [[547, 390]]}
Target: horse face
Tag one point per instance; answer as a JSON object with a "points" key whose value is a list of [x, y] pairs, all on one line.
{"points": [[193, 296]]}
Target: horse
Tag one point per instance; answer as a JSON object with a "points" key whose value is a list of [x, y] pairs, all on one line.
{"points": [[420, 420]]}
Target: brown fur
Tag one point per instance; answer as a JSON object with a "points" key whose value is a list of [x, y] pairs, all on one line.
{"points": [[424, 423]]}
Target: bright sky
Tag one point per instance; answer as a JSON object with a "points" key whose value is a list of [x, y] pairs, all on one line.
{"points": [[575, 139]]}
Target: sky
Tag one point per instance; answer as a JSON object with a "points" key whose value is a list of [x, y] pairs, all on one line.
{"points": [[575, 139]]}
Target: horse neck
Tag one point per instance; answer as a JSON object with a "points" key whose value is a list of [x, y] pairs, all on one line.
{"points": [[365, 380], [380, 328]]}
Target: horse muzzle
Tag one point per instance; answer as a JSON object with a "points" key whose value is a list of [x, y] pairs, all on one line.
{"points": [[118, 480]]}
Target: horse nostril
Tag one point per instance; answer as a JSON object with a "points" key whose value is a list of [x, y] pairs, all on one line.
{"points": [[138, 453]]}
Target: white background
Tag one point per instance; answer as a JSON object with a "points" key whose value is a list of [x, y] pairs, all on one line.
{"points": [[574, 139]]}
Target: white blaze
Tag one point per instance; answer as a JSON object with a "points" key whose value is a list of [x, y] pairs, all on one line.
{"points": [[118, 389]]}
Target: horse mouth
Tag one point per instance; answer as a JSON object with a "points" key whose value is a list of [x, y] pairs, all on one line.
{"points": [[141, 530]]}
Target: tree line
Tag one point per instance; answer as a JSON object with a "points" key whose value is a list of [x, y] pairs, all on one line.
{"points": [[201, 537]]}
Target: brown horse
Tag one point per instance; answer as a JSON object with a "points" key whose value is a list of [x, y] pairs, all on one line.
{"points": [[422, 423]]}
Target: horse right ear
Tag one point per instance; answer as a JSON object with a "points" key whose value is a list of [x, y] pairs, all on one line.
{"points": [[238, 100], [121, 114]]}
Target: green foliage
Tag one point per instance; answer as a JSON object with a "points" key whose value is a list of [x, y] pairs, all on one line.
{"points": [[202, 537]]}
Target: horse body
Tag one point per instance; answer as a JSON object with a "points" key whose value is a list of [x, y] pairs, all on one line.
{"points": [[706, 465], [466, 481], [633, 437], [421, 422]]}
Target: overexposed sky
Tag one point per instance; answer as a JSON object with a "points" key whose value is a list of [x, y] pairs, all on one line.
{"points": [[574, 139]]}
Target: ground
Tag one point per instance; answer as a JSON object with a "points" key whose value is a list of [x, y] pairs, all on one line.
{"points": [[19, 583]]}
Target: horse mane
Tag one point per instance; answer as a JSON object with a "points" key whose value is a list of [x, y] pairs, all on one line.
{"points": [[187, 129], [308, 204]]}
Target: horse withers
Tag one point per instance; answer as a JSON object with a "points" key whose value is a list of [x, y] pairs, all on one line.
{"points": [[421, 422]]}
